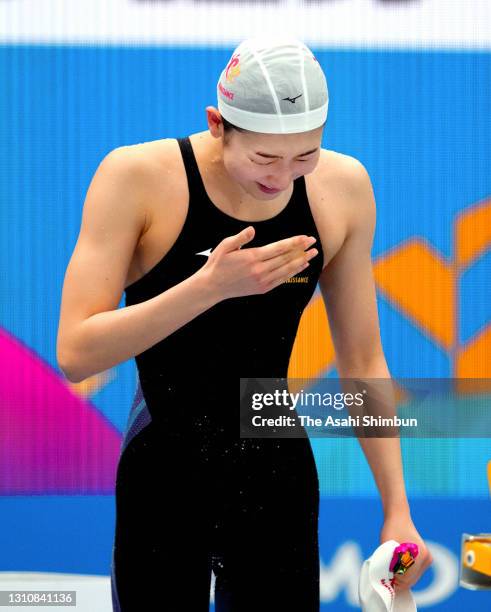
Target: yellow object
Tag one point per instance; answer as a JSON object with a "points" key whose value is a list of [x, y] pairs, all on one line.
{"points": [[476, 555]]}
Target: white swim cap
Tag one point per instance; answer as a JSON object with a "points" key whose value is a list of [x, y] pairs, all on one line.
{"points": [[273, 85], [375, 588]]}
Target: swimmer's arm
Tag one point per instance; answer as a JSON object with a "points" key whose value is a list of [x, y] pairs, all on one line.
{"points": [[348, 290], [94, 334]]}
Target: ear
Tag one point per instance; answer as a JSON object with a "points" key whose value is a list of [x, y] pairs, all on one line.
{"points": [[214, 120]]}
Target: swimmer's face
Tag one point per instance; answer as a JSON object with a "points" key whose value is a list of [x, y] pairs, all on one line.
{"points": [[273, 160]]}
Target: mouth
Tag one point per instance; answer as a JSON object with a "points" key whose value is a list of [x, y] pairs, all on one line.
{"points": [[267, 189]]}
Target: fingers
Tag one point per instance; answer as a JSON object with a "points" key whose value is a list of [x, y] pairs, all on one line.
{"points": [[425, 559], [284, 246], [281, 274], [232, 243], [278, 254], [280, 262], [406, 581], [281, 248], [403, 583]]}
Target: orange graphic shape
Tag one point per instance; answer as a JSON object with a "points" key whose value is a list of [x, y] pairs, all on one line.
{"points": [[313, 350], [474, 359], [421, 284], [92, 385], [472, 233]]}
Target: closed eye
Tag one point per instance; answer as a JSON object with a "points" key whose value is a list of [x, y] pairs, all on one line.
{"points": [[269, 164]]}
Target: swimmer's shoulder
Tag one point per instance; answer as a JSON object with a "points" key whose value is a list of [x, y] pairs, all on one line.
{"points": [[160, 174], [156, 158], [161, 159], [334, 180], [333, 190], [340, 169]]}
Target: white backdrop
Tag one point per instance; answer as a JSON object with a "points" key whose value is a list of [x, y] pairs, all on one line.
{"points": [[379, 23]]}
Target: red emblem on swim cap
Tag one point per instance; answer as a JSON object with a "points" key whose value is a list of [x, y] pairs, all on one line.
{"points": [[232, 70]]}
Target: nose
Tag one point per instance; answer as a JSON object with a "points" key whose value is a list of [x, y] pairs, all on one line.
{"points": [[279, 182]]}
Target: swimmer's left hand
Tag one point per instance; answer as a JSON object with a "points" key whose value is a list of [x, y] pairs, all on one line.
{"points": [[400, 527]]}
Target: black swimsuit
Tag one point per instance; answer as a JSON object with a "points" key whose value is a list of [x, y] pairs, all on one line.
{"points": [[191, 495]]}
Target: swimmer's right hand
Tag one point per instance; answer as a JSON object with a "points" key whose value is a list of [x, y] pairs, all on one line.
{"points": [[236, 272]]}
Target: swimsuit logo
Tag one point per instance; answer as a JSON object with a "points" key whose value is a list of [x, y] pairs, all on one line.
{"points": [[232, 70], [292, 100], [206, 253], [297, 279]]}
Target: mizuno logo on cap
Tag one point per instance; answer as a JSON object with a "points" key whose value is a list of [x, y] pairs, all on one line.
{"points": [[292, 99]]}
